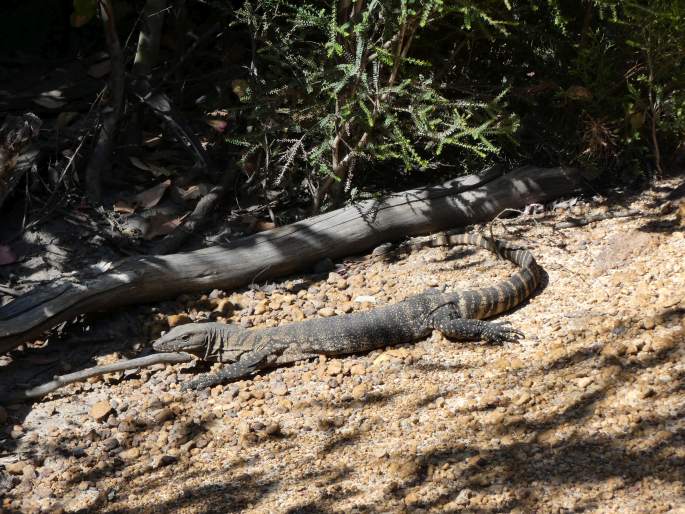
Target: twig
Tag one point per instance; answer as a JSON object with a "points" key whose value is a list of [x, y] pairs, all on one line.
{"points": [[62, 380], [579, 222], [101, 158]]}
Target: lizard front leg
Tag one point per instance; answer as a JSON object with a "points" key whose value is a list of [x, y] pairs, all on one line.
{"points": [[475, 329], [248, 363], [446, 319]]}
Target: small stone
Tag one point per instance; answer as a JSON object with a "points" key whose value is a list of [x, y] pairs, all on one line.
{"points": [[126, 426], [279, 389], [110, 443], [522, 399], [334, 367], [178, 319], [358, 369], [359, 391], [224, 306], [162, 460], [15, 468], [130, 454], [495, 418], [100, 410], [163, 415], [431, 389], [383, 249], [261, 307], [584, 382], [648, 323], [333, 277], [347, 307], [215, 294], [42, 491], [326, 312], [273, 429], [411, 499], [663, 343]]}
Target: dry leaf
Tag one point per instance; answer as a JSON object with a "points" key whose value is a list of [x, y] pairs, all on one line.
{"points": [[123, 207], [162, 224], [193, 192], [218, 125], [138, 163], [151, 197], [48, 102]]}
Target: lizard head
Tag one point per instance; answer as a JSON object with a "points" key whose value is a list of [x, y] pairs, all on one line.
{"points": [[190, 338]]}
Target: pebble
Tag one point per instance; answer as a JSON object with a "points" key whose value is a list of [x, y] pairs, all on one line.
{"points": [[178, 319], [15, 468], [335, 367], [359, 391], [163, 415], [326, 312], [279, 389], [358, 369], [100, 410], [130, 454], [273, 429]]}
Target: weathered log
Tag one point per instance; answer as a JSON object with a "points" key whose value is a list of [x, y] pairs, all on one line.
{"points": [[284, 250]]}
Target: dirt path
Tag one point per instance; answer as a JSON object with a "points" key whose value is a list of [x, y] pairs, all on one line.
{"points": [[584, 415]]}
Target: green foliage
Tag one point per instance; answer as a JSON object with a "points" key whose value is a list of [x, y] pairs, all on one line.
{"points": [[333, 86], [337, 86]]}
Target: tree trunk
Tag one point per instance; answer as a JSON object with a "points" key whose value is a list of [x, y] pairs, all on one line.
{"points": [[284, 250]]}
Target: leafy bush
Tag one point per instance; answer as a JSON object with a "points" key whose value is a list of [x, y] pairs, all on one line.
{"points": [[335, 86]]}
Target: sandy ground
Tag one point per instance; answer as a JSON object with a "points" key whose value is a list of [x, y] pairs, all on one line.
{"points": [[586, 414]]}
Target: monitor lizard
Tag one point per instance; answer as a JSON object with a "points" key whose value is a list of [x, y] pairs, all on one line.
{"points": [[457, 315]]}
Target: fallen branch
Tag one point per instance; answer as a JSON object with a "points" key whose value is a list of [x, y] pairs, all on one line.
{"points": [[77, 376], [281, 251]]}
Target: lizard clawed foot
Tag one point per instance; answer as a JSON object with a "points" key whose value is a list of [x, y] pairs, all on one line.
{"points": [[501, 333]]}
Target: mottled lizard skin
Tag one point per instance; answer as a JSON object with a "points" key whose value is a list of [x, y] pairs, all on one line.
{"points": [[458, 315]]}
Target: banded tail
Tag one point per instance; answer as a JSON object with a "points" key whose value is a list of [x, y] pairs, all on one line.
{"points": [[489, 301]]}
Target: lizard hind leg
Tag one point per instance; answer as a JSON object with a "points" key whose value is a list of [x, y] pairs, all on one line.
{"points": [[475, 329]]}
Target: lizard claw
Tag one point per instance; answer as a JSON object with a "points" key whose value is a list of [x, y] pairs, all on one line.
{"points": [[500, 333]]}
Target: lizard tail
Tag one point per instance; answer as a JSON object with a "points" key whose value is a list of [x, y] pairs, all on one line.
{"points": [[489, 301]]}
